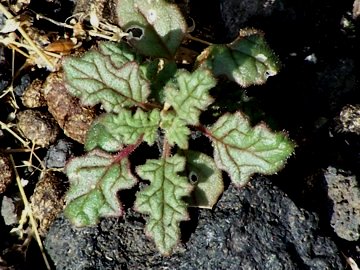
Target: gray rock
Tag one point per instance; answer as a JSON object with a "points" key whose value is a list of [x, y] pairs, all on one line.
{"points": [[58, 153], [8, 211], [257, 227], [344, 193]]}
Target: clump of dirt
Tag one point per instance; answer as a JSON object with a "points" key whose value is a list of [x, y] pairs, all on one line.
{"points": [[6, 172]]}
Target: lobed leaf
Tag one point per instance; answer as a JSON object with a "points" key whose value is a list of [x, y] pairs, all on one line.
{"points": [[206, 178], [95, 179], [242, 150], [162, 200], [176, 131], [161, 25], [94, 78], [123, 128], [98, 136], [189, 95], [247, 61]]}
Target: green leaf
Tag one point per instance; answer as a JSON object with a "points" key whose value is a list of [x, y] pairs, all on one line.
{"points": [[165, 73], [206, 178], [176, 131], [161, 24], [94, 78], [189, 95], [128, 127], [247, 61], [158, 72], [119, 52], [141, 123], [242, 150], [95, 179], [123, 128], [98, 136], [162, 200]]}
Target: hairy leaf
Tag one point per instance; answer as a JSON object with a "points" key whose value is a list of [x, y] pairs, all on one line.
{"points": [[160, 24], [119, 53], [123, 128], [206, 178], [94, 78], [248, 60], [176, 131], [98, 136], [95, 179], [189, 95], [242, 150], [162, 200]]}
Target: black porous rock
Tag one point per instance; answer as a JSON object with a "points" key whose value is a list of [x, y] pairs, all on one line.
{"points": [[239, 14], [257, 227]]}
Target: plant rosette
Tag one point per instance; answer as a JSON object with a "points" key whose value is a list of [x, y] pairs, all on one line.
{"points": [[147, 100]]}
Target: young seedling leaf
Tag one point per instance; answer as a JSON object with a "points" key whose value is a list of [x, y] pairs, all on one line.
{"points": [[248, 60], [242, 150], [206, 179], [162, 200], [95, 179], [119, 53], [157, 26], [94, 78], [176, 131], [98, 136], [127, 127], [189, 94], [111, 131]]}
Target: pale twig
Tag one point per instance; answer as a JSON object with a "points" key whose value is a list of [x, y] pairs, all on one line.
{"points": [[20, 150], [65, 25], [32, 153], [29, 213], [5, 127], [198, 40], [27, 165], [13, 47], [27, 38], [25, 144], [109, 35]]}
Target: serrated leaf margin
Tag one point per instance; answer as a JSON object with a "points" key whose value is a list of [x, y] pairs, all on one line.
{"points": [[158, 224], [225, 161]]}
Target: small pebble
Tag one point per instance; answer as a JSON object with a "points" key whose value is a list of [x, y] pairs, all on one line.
{"points": [[57, 154]]}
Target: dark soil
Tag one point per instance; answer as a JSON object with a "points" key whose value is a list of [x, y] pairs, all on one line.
{"points": [[317, 43]]}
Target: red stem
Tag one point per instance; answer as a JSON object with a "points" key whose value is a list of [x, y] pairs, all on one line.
{"points": [[166, 148], [128, 150], [203, 130]]}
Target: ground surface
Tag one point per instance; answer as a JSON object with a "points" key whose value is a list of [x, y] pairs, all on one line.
{"points": [[317, 43]]}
